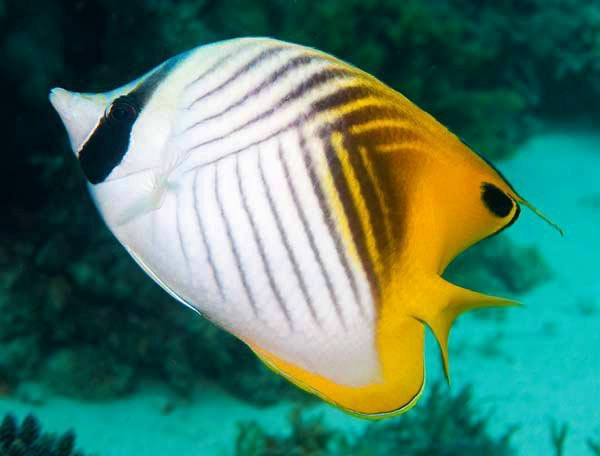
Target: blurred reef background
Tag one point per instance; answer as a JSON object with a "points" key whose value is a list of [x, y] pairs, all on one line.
{"points": [[78, 316]]}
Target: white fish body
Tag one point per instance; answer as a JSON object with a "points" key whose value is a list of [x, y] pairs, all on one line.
{"points": [[298, 203], [229, 222]]}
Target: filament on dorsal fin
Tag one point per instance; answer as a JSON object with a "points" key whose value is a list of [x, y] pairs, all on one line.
{"points": [[541, 215]]}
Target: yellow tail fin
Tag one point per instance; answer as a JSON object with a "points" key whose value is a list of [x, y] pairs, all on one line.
{"points": [[448, 301]]}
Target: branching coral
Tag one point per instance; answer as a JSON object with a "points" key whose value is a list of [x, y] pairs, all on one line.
{"points": [[439, 426], [558, 437], [594, 447], [27, 439], [308, 437]]}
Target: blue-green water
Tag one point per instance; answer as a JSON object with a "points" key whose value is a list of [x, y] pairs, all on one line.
{"points": [[88, 342]]}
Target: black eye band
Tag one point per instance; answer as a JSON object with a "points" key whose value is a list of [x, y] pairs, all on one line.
{"points": [[108, 144], [497, 202]]}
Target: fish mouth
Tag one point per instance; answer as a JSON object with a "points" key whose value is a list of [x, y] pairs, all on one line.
{"points": [[80, 114]]}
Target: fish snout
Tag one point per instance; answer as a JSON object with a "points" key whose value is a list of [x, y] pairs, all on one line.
{"points": [[80, 114]]}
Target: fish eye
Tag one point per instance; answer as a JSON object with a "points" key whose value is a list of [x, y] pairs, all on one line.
{"points": [[123, 110], [497, 202]]}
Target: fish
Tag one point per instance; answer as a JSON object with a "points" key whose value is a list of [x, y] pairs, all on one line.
{"points": [[298, 203]]}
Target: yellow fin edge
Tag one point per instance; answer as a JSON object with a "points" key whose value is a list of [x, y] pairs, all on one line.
{"points": [[270, 360]]}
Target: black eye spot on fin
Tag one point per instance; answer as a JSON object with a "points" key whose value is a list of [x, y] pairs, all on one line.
{"points": [[498, 202]]}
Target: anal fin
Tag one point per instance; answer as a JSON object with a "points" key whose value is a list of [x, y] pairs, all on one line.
{"points": [[401, 354], [447, 303]]}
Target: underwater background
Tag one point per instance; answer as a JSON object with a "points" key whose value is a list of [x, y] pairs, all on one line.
{"points": [[89, 343]]}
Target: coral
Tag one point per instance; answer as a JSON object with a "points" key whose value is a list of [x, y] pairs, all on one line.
{"points": [[440, 425], [558, 437], [18, 357], [308, 436], [27, 439], [533, 66], [82, 373], [594, 447]]}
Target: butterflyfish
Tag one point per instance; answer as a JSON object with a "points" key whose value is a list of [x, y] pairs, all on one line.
{"points": [[298, 203]]}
